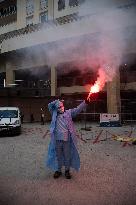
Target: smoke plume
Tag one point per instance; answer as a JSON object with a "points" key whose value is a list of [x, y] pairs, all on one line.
{"points": [[98, 40]]}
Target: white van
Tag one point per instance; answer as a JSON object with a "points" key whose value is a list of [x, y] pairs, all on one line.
{"points": [[10, 120]]}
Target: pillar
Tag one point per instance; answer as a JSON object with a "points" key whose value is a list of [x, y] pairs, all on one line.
{"points": [[113, 95], [36, 11], [21, 14], [53, 80], [10, 75], [51, 10]]}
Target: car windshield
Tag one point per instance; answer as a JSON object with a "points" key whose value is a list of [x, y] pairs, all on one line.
{"points": [[8, 113]]}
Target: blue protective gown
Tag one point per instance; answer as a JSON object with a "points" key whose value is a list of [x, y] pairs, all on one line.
{"points": [[68, 115]]}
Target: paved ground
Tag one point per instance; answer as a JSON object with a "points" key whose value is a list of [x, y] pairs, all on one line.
{"points": [[107, 175]]}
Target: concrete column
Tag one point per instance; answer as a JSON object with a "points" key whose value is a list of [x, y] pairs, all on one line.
{"points": [[10, 75], [36, 11], [53, 80], [113, 95], [51, 10], [21, 14]]}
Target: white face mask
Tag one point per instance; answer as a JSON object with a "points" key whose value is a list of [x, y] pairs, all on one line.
{"points": [[61, 107]]}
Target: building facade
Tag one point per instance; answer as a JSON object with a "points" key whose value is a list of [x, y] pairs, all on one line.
{"points": [[44, 49]]}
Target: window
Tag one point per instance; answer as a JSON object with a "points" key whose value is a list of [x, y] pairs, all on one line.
{"points": [[61, 5], [29, 7], [8, 113], [73, 3], [44, 17], [43, 4], [12, 9]]}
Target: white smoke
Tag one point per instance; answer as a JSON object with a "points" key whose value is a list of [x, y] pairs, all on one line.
{"points": [[103, 46]]}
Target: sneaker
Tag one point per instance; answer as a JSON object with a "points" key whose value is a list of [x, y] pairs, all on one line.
{"points": [[67, 174], [57, 174]]}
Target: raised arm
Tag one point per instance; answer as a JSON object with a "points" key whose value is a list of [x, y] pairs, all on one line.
{"points": [[78, 109]]}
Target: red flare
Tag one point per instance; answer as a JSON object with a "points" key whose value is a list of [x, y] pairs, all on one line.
{"points": [[99, 83], [94, 89]]}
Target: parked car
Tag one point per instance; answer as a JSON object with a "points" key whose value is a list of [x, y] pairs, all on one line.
{"points": [[10, 120]]}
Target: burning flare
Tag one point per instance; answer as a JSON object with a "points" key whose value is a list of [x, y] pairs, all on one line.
{"points": [[99, 83], [94, 89]]}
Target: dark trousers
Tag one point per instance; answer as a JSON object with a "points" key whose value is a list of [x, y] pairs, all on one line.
{"points": [[63, 152]]}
